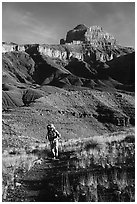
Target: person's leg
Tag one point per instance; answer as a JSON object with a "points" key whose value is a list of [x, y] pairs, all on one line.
{"points": [[53, 152], [52, 149], [56, 148]]}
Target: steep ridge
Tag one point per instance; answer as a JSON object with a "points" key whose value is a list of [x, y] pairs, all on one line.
{"points": [[17, 65]]}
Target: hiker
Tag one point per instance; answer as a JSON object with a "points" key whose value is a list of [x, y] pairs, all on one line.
{"points": [[53, 136]]}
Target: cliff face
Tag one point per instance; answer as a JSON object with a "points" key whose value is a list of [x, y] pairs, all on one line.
{"points": [[94, 35], [66, 52], [83, 43], [97, 43], [53, 51], [62, 52], [12, 47]]}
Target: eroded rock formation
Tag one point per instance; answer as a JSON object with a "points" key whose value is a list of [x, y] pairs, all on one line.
{"points": [[83, 43], [94, 35], [10, 47]]}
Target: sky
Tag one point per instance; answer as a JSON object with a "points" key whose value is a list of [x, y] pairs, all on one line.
{"points": [[48, 22]]}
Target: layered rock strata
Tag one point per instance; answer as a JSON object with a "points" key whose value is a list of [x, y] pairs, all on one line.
{"points": [[83, 43]]}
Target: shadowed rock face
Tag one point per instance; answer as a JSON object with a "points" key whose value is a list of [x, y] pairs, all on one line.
{"points": [[122, 68], [77, 34], [81, 69]]}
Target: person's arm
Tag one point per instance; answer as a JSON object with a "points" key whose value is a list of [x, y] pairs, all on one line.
{"points": [[47, 135], [58, 134]]}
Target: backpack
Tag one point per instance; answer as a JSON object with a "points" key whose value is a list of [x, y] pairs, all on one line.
{"points": [[52, 134]]}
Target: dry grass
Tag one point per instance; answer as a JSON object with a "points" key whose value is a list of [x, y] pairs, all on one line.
{"points": [[82, 143], [11, 167], [105, 152]]}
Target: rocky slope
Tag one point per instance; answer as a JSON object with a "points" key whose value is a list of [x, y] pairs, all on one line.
{"points": [[85, 86]]}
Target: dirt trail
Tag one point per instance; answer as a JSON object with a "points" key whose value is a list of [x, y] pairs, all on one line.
{"points": [[81, 161], [55, 181], [56, 176]]}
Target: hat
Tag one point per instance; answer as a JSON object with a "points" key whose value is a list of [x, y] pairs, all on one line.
{"points": [[50, 126]]}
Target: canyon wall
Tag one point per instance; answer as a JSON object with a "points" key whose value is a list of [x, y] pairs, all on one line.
{"points": [[11, 48], [84, 43], [62, 53]]}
